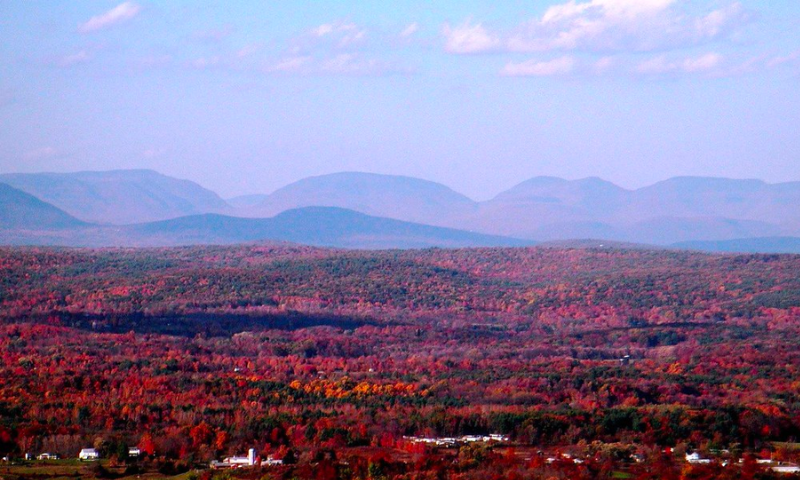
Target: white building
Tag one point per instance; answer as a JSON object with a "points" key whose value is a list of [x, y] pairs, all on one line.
{"points": [[249, 460], [236, 462], [788, 468], [47, 456], [134, 452], [88, 454], [696, 458]]}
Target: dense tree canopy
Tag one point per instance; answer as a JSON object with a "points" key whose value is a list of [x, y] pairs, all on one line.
{"points": [[192, 353]]}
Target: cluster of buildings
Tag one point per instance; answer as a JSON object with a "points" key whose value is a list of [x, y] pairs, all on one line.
{"points": [[245, 461], [88, 454], [778, 467], [455, 441]]}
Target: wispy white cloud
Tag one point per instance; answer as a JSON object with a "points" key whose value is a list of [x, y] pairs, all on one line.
{"points": [[534, 68], [410, 30], [707, 63], [248, 50], [603, 26], [350, 64], [702, 63], [119, 14], [343, 34], [74, 59], [469, 38], [784, 59], [294, 64], [604, 65], [205, 62]]}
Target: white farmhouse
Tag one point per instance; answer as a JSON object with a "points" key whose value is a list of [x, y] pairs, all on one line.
{"points": [[88, 454]]}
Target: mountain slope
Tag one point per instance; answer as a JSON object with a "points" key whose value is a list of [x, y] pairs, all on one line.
{"points": [[324, 226], [22, 211], [719, 197], [118, 196], [390, 196], [678, 209]]}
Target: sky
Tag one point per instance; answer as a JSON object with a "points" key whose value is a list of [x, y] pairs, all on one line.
{"points": [[246, 97]]}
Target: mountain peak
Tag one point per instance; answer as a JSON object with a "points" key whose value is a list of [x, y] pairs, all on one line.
{"points": [[392, 196], [118, 196]]}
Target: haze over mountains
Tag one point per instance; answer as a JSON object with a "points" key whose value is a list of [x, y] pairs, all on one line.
{"points": [[383, 211], [119, 196]]}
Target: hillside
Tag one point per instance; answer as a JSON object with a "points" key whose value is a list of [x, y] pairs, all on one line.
{"points": [[616, 357], [681, 209], [549, 208], [390, 196], [323, 226], [118, 196], [678, 209], [21, 211]]}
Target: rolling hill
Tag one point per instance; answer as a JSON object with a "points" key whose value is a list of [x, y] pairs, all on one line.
{"points": [[20, 210], [680, 209], [322, 226], [390, 196], [118, 196], [549, 208]]}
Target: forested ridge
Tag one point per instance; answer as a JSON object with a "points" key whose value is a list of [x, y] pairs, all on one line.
{"points": [[197, 352]]}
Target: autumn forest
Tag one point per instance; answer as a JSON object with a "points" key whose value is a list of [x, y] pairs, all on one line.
{"points": [[581, 362]]}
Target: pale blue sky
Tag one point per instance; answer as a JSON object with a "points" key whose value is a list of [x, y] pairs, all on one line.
{"points": [[247, 97]]}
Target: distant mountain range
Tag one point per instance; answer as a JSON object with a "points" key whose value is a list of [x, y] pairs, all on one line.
{"points": [[119, 196], [26, 220], [385, 211], [22, 211]]}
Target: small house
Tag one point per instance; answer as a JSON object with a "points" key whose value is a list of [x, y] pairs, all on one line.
{"points": [[88, 454]]}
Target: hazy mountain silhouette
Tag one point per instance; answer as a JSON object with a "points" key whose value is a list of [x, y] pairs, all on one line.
{"points": [[118, 196], [540, 209], [323, 226], [20, 210], [549, 208], [390, 196], [246, 201], [30, 221], [682, 208]]}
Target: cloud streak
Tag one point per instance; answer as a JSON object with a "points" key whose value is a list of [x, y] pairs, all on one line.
{"points": [[410, 30], [74, 59], [468, 38], [602, 26], [661, 65], [347, 64], [534, 68], [119, 14]]}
